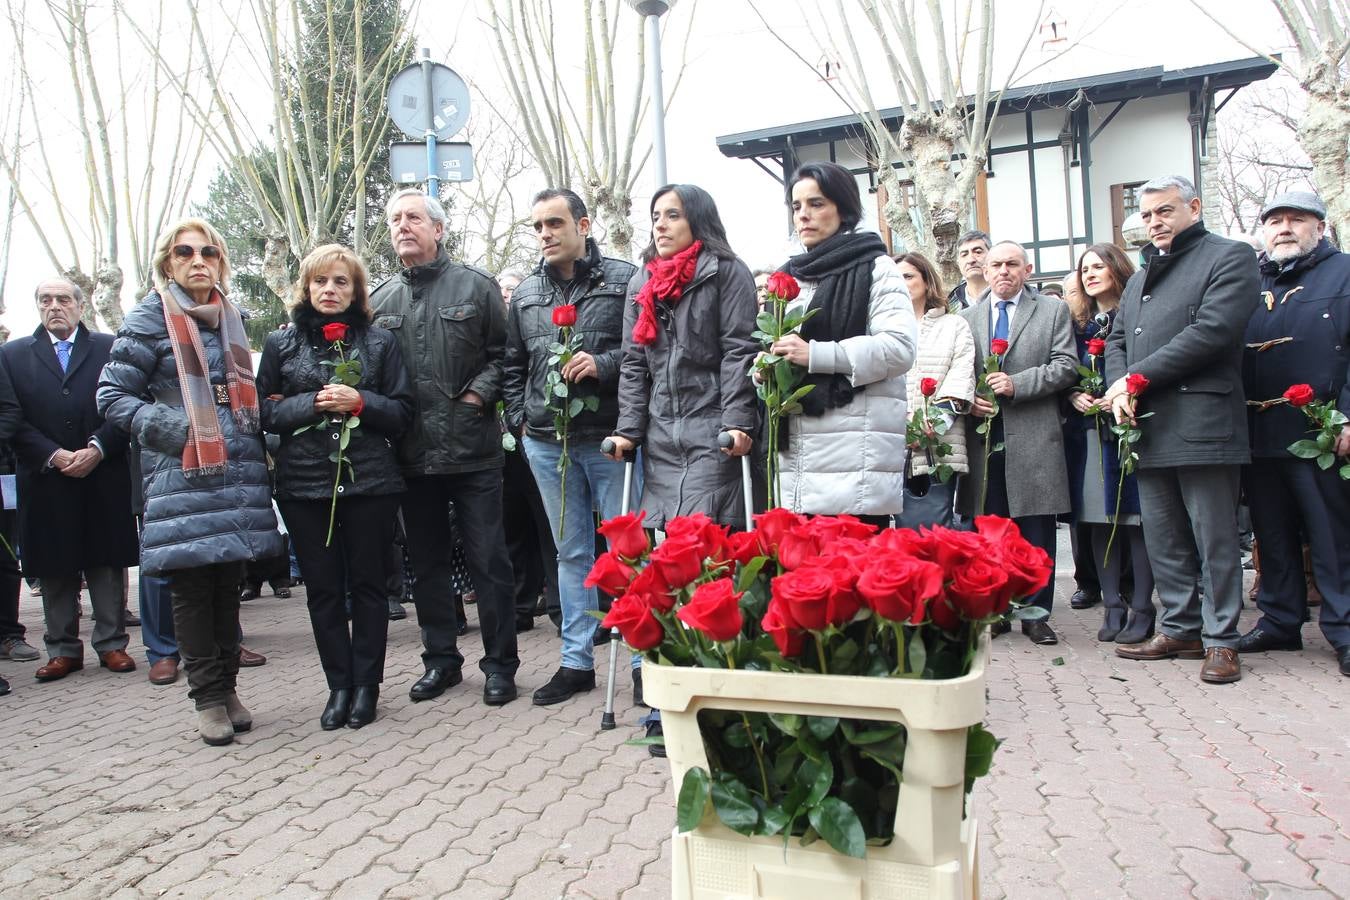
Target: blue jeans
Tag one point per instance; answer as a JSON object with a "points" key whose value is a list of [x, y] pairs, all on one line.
{"points": [[157, 619], [593, 483]]}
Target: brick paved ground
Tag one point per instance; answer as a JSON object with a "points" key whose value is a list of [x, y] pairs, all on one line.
{"points": [[1115, 779]]}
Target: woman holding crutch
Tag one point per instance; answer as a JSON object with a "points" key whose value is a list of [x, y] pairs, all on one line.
{"points": [[683, 380]]}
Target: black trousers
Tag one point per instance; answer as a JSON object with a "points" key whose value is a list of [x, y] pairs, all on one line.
{"points": [[426, 515], [352, 565], [1293, 502], [10, 626], [529, 539], [206, 622], [1039, 530]]}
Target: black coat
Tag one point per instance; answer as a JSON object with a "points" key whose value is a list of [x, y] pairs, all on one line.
{"points": [[68, 524], [1306, 300], [597, 291], [1180, 325], [291, 366]]}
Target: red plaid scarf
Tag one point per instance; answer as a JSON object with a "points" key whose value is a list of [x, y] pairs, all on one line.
{"points": [[205, 450], [667, 281]]}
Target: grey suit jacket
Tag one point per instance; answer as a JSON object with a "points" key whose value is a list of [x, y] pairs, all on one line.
{"points": [[1181, 325], [1042, 363]]}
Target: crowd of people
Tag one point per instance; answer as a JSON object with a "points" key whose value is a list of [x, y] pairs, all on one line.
{"points": [[1142, 407]]}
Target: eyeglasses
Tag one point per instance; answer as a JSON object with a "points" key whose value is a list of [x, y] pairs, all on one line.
{"points": [[187, 251]]}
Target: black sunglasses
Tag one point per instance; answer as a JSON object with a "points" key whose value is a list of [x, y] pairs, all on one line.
{"points": [[187, 251]]}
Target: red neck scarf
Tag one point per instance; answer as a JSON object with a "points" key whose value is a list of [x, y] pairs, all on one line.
{"points": [[667, 282]]}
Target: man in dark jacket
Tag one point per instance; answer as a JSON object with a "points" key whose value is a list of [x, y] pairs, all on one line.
{"points": [[74, 486], [1299, 334], [450, 323], [1180, 326], [571, 273], [12, 643]]}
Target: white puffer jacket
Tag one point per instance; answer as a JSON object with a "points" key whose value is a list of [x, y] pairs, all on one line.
{"points": [[946, 353], [852, 458]]}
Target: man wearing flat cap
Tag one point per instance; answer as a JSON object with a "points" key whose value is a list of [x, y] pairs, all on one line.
{"points": [[1299, 335]]}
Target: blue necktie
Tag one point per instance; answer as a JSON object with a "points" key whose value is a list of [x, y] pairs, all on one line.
{"points": [[1001, 326], [63, 354]]}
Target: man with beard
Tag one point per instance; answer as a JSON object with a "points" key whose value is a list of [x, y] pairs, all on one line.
{"points": [[1299, 335]]}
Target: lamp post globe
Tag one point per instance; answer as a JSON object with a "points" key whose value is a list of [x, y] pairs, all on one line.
{"points": [[651, 7]]}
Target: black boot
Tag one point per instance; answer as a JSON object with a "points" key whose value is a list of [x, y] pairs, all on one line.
{"points": [[1113, 621], [364, 698], [338, 709], [1138, 626]]}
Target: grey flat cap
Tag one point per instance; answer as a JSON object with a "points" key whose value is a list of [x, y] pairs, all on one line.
{"points": [[1304, 201]]}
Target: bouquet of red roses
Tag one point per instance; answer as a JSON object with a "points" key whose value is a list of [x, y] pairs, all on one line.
{"points": [[562, 397], [826, 595], [1327, 422]]}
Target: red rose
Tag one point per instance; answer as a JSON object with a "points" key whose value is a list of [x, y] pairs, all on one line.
{"points": [[1096, 347], [714, 610], [1029, 569], [920, 544], [942, 614], [640, 629], [998, 346], [996, 529], [335, 331], [772, 525], [797, 546], [805, 594], [679, 560], [610, 574], [651, 588], [954, 549], [928, 386], [778, 624], [897, 587], [828, 529], [709, 534], [565, 316], [978, 588], [843, 603], [1135, 384], [743, 546], [1300, 395], [783, 286], [626, 536]]}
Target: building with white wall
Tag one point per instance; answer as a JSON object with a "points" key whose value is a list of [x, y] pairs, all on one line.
{"points": [[1065, 158]]}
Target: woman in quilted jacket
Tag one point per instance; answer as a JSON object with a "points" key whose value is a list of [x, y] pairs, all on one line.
{"points": [[335, 389]]}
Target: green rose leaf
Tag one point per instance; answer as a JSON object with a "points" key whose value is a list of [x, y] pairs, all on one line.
{"points": [[693, 799], [733, 805], [822, 726], [788, 723], [817, 775], [838, 824]]}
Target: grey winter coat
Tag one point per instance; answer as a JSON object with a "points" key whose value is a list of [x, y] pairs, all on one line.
{"points": [[678, 393], [451, 326], [291, 366], [1181, 324], [188, 521]]}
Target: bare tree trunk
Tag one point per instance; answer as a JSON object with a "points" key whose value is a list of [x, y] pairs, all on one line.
{"points": [[1323, 135], [276, 250]]}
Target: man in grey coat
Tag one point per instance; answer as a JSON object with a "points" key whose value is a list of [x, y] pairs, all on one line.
{"points": [[1027, 479], [1180, 325]]}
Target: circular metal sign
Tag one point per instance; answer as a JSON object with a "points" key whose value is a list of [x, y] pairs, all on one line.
{"points": [[408, 101]]}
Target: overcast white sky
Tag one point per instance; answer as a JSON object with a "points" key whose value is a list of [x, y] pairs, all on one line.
{"points": [[740, 78]]}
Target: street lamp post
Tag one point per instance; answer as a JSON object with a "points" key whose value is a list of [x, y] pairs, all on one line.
{"points": [[652, 10]]}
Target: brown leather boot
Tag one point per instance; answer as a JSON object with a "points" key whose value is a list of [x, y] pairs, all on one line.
{"points": [[1221, 666]]}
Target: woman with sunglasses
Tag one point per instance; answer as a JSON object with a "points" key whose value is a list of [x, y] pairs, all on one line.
{"points": [[341, 544], [180, 381]]}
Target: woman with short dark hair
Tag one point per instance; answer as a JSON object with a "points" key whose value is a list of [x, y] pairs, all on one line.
{"points": [[341, 517], [845, 453]]}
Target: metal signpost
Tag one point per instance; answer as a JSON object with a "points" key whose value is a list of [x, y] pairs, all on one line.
{"points": [[430, 104]]}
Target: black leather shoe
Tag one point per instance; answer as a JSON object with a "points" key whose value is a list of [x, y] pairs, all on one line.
{"points": [[1038, 631], [338, 709], [499, 689], [654, 730], [396, 611], [4, 685], [564, 683], [524, 623], [999, 628], [364, 698], [1083, 599], [1343, 658], [434, 683], [1258, 641]]}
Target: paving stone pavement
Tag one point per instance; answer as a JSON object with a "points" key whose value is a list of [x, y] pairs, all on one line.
{"points": [[1115, 779]]}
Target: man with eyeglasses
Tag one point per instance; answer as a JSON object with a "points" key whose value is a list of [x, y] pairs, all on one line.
{"points": [[74, 485]]}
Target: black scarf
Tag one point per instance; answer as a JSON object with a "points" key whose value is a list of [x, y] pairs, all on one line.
{"points": [[841, 267]]}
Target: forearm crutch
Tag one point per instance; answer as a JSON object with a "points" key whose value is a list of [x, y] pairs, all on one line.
{"points": [[607, 718]]}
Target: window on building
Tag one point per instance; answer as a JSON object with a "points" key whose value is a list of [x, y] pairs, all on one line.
{"points": [[1124, 203]]}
